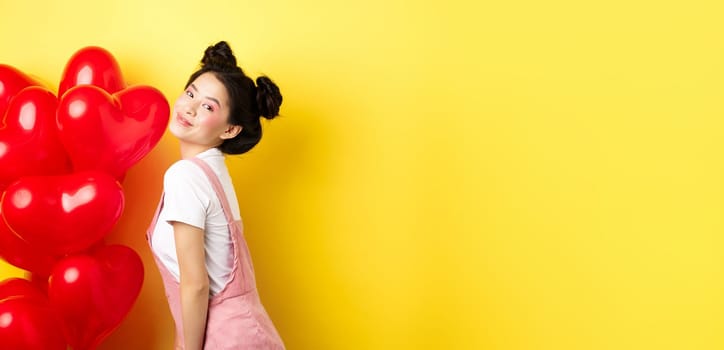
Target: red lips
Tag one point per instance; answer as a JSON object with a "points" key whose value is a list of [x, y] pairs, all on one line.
{"points": [[182, 121]]}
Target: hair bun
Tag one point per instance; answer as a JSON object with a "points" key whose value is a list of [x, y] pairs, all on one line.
{"points": [[219, 56], [268, 97]]}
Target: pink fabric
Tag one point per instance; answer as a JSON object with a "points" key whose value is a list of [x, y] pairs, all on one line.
{"points": [[236, 317]]}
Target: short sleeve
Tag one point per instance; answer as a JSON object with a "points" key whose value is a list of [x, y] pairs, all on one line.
{"points": [[186, 194]]}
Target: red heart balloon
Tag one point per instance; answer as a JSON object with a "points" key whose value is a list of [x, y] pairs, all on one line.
{"points": [[39, 281], [20, 253], [65, 213], [111, 132], [29, 143], [18, 287], [94, 293], [27, 320], [12, 81], [92, 66]]}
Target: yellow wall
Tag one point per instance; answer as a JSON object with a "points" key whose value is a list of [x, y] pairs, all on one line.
{"points": [[507, 175]]}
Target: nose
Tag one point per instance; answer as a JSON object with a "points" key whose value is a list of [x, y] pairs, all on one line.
{"points": [[188, 108]]}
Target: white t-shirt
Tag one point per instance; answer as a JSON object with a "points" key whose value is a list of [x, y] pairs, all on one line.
{"points": [[190, 198]]}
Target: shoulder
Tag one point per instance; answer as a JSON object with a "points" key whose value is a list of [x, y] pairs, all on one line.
{"points": [[182, 167], [184, 172]]}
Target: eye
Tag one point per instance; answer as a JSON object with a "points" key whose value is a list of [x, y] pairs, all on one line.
{"points": [[207, 107], [189, 93]]}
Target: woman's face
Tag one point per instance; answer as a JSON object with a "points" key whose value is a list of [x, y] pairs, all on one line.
{"points": [[201, 113]]}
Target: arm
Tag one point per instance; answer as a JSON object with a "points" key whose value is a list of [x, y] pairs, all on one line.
{"points": [[194, 283]]}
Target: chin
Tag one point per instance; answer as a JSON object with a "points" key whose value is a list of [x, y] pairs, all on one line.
{"points": [[175, 130]]}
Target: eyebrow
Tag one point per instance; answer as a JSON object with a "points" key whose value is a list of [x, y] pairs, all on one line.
{"points": [[209, 97]]}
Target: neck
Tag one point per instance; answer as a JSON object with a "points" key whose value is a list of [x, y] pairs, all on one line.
{"points": [[192, 150]]}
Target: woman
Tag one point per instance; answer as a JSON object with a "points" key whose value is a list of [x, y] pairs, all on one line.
{"points": [[196, 233]]}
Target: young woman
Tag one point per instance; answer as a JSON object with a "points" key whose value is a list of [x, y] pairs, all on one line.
{"points": [[196, 235]]}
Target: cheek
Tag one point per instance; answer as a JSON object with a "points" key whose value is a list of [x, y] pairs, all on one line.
{"points": [[177, 105], [212, 121]]}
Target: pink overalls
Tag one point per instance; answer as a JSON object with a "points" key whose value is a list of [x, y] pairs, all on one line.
{"points": [[236, 317]]}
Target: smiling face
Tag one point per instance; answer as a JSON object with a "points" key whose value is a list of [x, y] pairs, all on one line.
{"points": [[200, 115]]}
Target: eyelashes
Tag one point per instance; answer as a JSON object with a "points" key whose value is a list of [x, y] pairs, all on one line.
{"points": [[205, 106]]}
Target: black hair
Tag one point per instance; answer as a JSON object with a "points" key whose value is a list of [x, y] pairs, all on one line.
{"points": [[247, 101]]}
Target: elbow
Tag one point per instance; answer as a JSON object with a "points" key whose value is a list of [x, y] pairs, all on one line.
{"points": [[195, 286]]}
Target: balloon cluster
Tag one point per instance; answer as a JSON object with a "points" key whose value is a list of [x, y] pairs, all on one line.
{"points": [[62, 161]]}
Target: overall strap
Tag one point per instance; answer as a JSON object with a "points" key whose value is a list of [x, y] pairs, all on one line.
{"points": [[149, 231], [239, 270]]}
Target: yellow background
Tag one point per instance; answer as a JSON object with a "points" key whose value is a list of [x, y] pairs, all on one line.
{"points": [[446, 175]]}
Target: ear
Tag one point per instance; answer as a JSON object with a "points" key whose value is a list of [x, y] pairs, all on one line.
{"points": [[231, 132]]}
